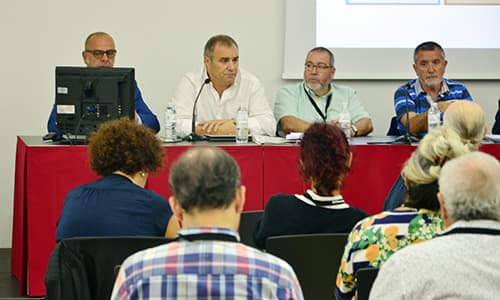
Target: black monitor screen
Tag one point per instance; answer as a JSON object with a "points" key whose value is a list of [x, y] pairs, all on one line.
{"points": [[87, 97]]}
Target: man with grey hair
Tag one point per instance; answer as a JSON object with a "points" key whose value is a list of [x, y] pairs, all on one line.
{"points": [[413, 99], [317, 99], [463, 263], [100, 52], [227, 88], [207, 261]]}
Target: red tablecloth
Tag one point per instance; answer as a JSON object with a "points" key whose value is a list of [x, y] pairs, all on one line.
{"points": [[373, 171], [45, 173], [249, 158]]}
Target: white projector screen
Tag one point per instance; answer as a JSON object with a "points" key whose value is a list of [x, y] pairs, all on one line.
{"points": [[374, 39]]}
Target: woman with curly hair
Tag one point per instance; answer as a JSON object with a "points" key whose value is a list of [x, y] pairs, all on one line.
{"points": [[325, 160], [117, 204]]}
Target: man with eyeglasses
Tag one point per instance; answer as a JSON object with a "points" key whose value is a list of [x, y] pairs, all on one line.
{"points": [[429, 63], [227, 88], [100, 51], [317, 99]]}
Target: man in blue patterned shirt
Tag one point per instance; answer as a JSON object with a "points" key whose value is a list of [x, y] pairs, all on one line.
{"points": [[206, 261], [429, 65]]}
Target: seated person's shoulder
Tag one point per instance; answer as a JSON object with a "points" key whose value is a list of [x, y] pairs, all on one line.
{"points": [[279, 199], [454, 82], [342, 88], [405, 89], [407, 85], [246, 76], [290, 91]]}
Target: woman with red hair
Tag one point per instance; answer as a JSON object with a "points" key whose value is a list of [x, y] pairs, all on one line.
{"points": [[325, 160]]}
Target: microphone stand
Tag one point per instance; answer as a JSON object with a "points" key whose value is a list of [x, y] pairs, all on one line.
{"points": [[406, 138], [193, 137]]}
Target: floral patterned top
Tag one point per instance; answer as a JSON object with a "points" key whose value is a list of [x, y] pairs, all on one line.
{"points": [[374, 239]]}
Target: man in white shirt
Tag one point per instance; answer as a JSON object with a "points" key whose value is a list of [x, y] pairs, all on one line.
{"points": [[228, 89], [463, 262]]}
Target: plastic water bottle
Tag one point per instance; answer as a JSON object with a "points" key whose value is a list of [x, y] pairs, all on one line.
{"points": [[433, 117], [242, 125], [345, 122], [170, 123]]}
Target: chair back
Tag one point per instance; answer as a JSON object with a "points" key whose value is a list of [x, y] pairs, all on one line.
{"points": [[393, 128], [248, 221], [83, 267], [315, 258], [496, 125], [365, 278]]}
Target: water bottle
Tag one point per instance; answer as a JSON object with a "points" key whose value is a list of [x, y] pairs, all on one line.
{"points": [[433, 117], [170, 122], [242, 125], [345, 122]]}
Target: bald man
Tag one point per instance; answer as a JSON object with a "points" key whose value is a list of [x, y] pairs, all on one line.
{"points": [[100, 52]]}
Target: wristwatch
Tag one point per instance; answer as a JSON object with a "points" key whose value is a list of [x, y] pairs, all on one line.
{"points": [[354, 130]]}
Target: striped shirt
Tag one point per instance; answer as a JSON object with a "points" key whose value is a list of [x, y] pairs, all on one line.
{"points": [[374, 239], [205, 269], [417, 102]]}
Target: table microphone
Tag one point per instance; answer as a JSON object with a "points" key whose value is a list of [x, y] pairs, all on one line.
{"points": [[406, 138], [193, 137]]}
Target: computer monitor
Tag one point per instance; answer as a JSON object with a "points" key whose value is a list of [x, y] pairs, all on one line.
{"points": [[88, 97]]}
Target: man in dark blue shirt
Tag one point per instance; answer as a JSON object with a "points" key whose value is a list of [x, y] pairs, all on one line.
{"points": [[413, 99], [430, 86], [100, 51]]}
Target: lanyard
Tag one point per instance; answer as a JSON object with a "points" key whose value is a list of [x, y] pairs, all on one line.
{"points": [[208, 237], [318, 110]]}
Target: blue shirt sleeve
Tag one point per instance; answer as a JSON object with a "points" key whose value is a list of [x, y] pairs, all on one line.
{"points": [[401, 101], [51, 123], [148, 118]]}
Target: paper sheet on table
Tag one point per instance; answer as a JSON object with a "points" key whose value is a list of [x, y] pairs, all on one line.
{"points": [[264, 139], [294, 136], [493, 138]]}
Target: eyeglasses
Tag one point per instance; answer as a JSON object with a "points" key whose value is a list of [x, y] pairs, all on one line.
{"points": [[100, 53], [319, 67]]}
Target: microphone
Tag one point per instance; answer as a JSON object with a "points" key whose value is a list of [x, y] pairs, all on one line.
{"points": [[193, 137], [407, 138]]}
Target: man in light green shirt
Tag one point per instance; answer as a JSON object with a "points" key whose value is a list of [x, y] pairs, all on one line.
{"points": [[317, 99]]}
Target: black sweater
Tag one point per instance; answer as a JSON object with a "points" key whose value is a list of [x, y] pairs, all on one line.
{"points": [[286, 214]]}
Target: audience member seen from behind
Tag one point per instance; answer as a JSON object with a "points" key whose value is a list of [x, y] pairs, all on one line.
{"points": [[325, 160], [117, 204], [100, 52], [374, 239], [317, 99], [415, 95], [464, 117], [463, 262], [207, 261], [230, 87]]}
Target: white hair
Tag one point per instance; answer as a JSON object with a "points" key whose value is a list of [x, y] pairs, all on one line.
{"points": [[466, 118], [436, 148], [470, 186]]}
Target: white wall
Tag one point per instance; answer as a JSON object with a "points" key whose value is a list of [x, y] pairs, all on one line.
{"points": [[162, 39]]}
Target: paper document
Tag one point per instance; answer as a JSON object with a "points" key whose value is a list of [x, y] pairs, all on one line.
{"points": [[264, 139], [492, 138], [294, 136]]}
